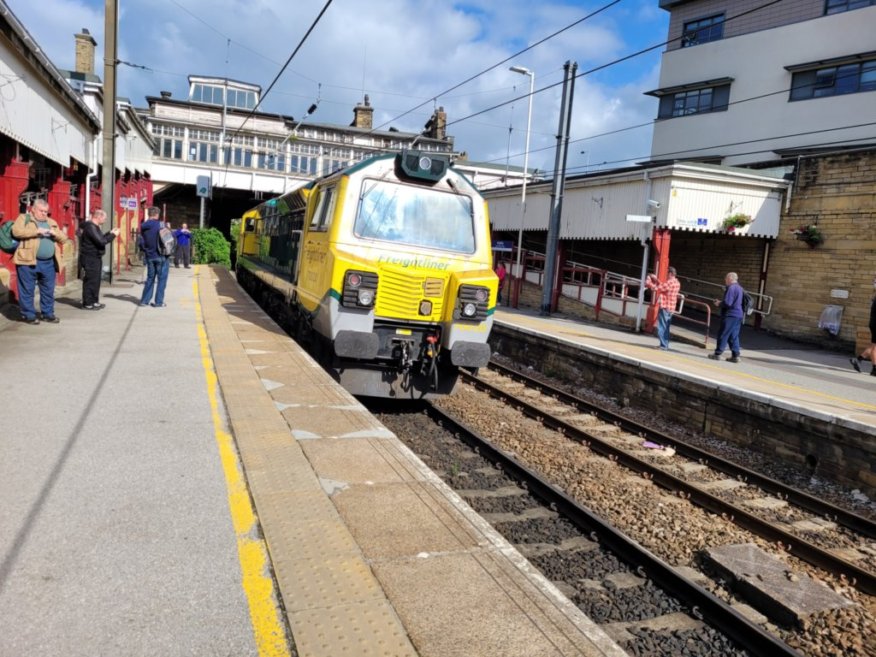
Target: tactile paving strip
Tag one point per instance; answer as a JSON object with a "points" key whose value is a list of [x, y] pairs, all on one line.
{"points": [[334, 604]]}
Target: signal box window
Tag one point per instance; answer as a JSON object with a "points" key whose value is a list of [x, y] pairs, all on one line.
{"points": [[834, 80], [839, 6], [703, 30]]}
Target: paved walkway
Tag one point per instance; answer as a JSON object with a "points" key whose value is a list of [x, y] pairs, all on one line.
{"points": [[115, 531]]}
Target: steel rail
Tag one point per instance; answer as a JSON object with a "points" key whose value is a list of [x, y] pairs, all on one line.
{"points": [[702, 603], [841, 516], [863, 580]]}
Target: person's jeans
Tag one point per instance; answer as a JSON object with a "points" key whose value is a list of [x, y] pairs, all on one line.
{"points": [[42, 273], [156, 271], [729, 335], [664, 320]]}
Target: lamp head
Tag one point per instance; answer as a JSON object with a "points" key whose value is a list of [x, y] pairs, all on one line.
{"points": [[520, 69]]}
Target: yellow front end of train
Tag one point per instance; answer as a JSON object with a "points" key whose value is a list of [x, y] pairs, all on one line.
{"points": [[393, 287]]}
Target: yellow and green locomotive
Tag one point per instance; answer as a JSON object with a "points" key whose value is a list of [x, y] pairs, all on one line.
{"points": [[381, 270]]}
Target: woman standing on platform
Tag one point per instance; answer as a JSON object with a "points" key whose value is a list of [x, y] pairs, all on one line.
{"points": [[870, 352]]}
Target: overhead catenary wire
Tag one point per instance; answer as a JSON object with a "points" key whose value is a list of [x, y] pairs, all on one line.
{"points": [[500, 63], [783, 90], [596, 69]]}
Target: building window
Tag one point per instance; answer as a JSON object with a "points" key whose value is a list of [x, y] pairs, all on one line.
{"points": [[839, 6], [694, 101], [834, 80], [168, 141], [203, 146], [703, 30]]}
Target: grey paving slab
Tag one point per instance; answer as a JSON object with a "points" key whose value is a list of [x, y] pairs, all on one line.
{"points": [[771, 586], [115, 534]]}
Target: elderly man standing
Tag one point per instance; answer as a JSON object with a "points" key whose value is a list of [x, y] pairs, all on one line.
{"points": [[92, 246], [37, 259], [667, 299], [731, 318]]}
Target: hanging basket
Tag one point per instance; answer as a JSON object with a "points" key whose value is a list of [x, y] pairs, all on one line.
{"points": [[810, 234], [735, 222]]}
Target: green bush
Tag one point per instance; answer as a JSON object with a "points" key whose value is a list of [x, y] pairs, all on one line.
{"points": [[210, 246]]}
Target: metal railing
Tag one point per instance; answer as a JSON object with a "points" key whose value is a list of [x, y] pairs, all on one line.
{"points": [[618, 295]]}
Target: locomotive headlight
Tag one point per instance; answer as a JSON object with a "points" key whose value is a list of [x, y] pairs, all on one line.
{"points": [[360, 290], [366, 297], [469, 309], [481, 294]]}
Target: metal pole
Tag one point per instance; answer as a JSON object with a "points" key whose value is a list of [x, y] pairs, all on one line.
{"points": [[645, 253], [518, 273], [201, 222], [108, 177], [550, 265]]}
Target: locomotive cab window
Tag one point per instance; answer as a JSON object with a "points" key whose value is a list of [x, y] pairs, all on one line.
{"points": [[322, 216], [249, 226], [415, 215]]}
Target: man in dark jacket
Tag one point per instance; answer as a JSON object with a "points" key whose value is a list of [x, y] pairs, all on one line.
{"points": [[731, 318], [92, 246], [157, 265]]}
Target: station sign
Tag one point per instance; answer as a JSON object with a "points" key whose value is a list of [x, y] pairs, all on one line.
{"points": [[503, 245], [640, 218]]}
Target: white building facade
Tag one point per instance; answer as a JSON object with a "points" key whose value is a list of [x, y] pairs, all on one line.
{"points": [[741, 84]]}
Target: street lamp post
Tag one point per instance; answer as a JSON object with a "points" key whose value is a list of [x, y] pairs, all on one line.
{"points": [[518, 274]]}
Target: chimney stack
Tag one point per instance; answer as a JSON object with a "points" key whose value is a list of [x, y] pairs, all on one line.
{"points": [[436, 126], [363, 115], [85, 44]]}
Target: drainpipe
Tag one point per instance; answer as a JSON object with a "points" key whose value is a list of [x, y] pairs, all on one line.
{"points": [[92, 172]]}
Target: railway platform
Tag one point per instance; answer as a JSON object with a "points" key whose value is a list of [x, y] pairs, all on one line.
{"points": [[805, 405], [186, 481]]}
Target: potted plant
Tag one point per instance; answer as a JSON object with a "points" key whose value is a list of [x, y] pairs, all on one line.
{"points": [[809, 233], [734, 221]]}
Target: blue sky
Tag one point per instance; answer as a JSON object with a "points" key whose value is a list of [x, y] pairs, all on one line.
{"points": [[403, 53]]}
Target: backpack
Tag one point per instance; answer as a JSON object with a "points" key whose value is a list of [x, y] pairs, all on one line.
{"points": [[166, 241], [8, 244], [747, 304]]}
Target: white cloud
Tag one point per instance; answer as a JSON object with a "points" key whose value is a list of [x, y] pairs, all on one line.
{"points": [[401, 52]]}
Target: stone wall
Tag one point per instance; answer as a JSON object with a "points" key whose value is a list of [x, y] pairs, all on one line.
{"points": [[839, 194]]}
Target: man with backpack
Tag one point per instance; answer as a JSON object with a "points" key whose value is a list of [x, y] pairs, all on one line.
{"points": [[153, 241], [731, 318]]}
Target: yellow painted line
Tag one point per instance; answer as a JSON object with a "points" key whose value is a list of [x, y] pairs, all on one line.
{"points": [[258, 585]]}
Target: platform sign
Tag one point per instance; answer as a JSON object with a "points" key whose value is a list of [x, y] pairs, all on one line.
{"points": [[503, 245], [640, 218]]}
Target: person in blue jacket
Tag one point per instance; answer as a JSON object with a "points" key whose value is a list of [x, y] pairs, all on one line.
{"points": [[731, 319], [183, 246], [157, 265]]}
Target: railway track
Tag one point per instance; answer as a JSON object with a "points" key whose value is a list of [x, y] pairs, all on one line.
{"points": [[823, 533], [649, 607], [665, 521]]}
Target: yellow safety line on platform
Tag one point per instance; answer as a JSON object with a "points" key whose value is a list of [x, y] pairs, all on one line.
{"points": [[258, 585]]}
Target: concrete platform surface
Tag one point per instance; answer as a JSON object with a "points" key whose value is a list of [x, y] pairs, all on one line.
{"points": [[788, 374], [186, 481]]}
